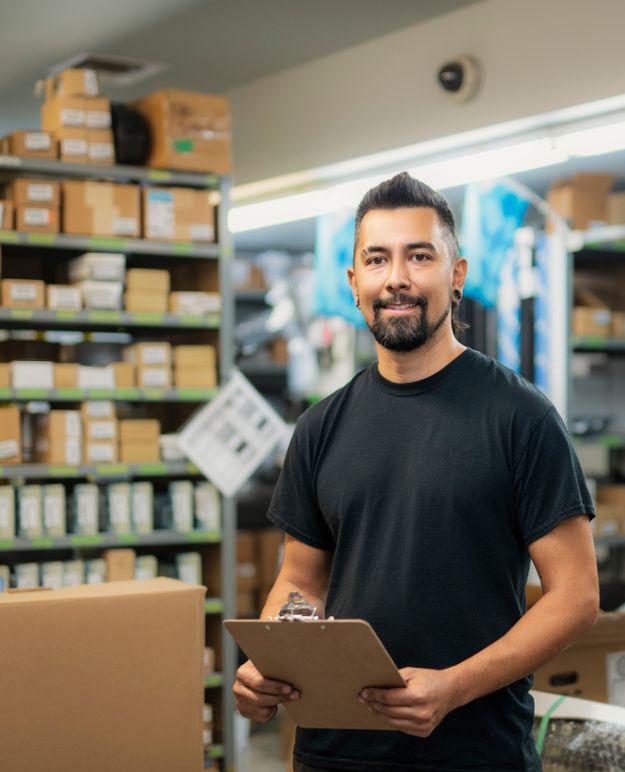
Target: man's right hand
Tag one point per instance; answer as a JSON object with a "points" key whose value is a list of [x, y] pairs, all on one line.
{"points": [[258, 697]]}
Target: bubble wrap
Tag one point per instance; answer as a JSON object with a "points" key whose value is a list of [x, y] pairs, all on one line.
{"points": [[583, 746]]}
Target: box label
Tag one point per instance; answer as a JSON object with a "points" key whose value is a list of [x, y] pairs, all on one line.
{"points": [[100, 151], [29, 514], [105, 271], [36, 216], [102, 430], [90, 83], [8, 449], [72, 451], [98, 409], [72, 423], [183, 145], [98, 119], [72, 117], [125, 226], [615, 662], [100, 453], [39, 192], [155, 377], [23, 292], [73, 147], [160, 215], [52, 512], [66, 298], [154, 355], [202, 232], [37, 140]]}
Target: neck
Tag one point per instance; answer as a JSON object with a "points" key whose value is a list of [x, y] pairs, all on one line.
{"points": [[410, 366]]}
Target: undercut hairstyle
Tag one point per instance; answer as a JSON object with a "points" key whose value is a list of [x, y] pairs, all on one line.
{"points": [[403, 191]]}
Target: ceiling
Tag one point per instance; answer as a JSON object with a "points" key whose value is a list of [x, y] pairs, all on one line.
{"points": [[207, 45]]}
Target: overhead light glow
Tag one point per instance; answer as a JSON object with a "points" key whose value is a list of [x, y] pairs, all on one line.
{"points": [[595, 141]]}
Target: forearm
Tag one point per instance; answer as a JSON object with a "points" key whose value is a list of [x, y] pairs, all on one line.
{"points": [[280, 592], [553, 623]]}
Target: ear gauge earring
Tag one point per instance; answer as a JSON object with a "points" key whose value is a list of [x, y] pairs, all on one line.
{"points": [[457, 295], [357, 302]]}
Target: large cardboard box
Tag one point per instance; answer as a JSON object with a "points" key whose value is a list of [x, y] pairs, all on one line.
{"points": [[58, 450], [582, 200], [37, 219], [195, 377], [590, 667], [72, 82], [10, 435], [23, 293], [91, 705], [151, 302], [7, 211], [29, 144], [101, 209], [592, 321], [194, 356], [101, 146], [73, 144], [178, 214], [60, 423], [139, 452], [35, 191], [63, 112], [148, 280], [189, 130], [139, 430]]}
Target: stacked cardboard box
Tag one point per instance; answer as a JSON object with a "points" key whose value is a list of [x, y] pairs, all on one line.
{"points": [[195, 367], [581, 201], [147, 290], [29, 144], [178, 214], [23, 293], [58, 437], [78, 117], [138, 440], [101, 209], [7, 212], [37, 204], [10, 435], [99, 276], [152, 363]]}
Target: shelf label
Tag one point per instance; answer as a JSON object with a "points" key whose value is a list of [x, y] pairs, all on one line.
{"points": [[104, 316], [213, 606], [63, 471], [9, 237], [212, 681], [42, 542], [112, 470], [67, 316], [203, 536], [153, 470], [21, 313], [41, 238], [182, 247], [189, 320], [99, 394], [159, 175], [87, 540], [127, 538], [108, 242], [153, 394], [196, 395], [147, 317], [6, 393]]}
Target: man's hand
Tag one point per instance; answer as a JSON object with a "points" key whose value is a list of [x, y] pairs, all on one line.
{"points": [[258, 697], [419, 708]]}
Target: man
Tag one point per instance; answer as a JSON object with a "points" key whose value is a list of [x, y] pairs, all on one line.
{"points": [[413, 498]]}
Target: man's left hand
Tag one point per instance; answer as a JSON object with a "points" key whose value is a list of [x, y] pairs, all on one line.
{"points": [[419, 708]]}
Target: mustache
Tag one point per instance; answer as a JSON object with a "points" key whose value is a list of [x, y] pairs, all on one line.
{"points": [[400, 297]]}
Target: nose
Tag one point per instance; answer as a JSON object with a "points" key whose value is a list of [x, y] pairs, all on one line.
{"points": [[397, 277]]}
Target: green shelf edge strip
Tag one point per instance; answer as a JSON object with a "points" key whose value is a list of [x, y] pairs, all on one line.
{"points": [[21, 313], [213, 681], [213, 606], [107, 242], [9, 237], [112, 470], [156, 469], [7, 544], [215, 752], [208, 537], [127, 538], [63, 471], [87, 540], [40, 238]]}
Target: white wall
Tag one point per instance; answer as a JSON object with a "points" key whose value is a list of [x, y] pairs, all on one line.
{"points": [[537, 55]]}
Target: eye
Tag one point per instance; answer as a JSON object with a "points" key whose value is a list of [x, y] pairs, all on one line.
{"points": [[375, 260], [420, 257]]}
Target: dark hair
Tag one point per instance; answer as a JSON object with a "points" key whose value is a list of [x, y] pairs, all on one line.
{"points": [[401, 191]]}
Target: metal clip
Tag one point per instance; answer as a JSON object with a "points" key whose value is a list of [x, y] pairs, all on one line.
{"points": [[297, 609]]}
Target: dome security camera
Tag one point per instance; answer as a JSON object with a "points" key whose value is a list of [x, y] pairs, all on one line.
{"points": [[460, 78]]}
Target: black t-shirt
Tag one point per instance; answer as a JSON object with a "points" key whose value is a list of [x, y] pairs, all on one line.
{"points": [[429, 493]]}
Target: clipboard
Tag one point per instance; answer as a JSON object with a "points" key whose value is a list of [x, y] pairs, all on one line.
{"points": [[328, 662]]}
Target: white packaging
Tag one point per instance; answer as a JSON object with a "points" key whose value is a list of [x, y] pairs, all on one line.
{"points": [[90, 86], [73, 147], [159, 214], [39, 192], [37, 140], [189, 567], [100, 452], [201, 231], [53, 497], [36, 215], [125, 226], [32, 375], [99, 408], [7, 512], [73, 573], [98, 119], [72, 117], [102, 430], [23, 292], [52, 574], [146, 567], [207, 507], [101, 295], [207, 736], [207, 714], [64, 298], [181, 498], [9, 449], [198, 303], [98, 266], [29, 511], [27, 576], [155, 377], [95, 571], [86, 509], [96, 377], [100, 151], [142, 507], [118, 506], [170, 450]]}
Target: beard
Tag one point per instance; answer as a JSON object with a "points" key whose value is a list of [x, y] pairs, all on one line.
{"points": [[407, 332]]}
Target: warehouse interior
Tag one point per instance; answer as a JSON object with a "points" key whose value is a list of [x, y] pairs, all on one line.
{"points": [[178, 186]]}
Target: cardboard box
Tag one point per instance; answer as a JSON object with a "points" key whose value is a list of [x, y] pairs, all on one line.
{"points": [[101, 295], [35, 191], [23, 293], [65, 376], [147, 280], [60, 423], [54, 509], [195, 378], [582, 200], [5, 375], [139, 430], [7, 512], [104, 452], [105, 686], [194, 357], [124, 375], [181, 498], [592, 321], [32, 375], [149, 354], [609, 521], [37, 219], [99, 429], [73, 144], [30, 521], [118, 508], [142, 507], [29, 144], [152, 302], [120, 564], [101, 209], [139, 452], [616, 208], [195, 303], [72, 82], [589, 668], [618, 324], [98, 266], [101, 146], [178, 214], [62, 112], [97, 408], [154, 377], [58, 450], [95, 377], [63, 297], [189, 130], [10, 435], [98, 114], [7, 215], [86, 509]]}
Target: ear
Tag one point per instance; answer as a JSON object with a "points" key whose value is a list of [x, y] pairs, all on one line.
{"points": [[459, 272], [351, 277]]}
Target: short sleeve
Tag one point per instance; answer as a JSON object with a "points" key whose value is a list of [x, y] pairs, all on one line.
{"points": [[549, 484], [294, 507]]}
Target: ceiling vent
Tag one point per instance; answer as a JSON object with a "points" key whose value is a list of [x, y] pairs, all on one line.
{"points": [[112, 69]]}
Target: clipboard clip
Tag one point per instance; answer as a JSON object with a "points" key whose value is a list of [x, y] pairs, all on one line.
{"points": [[297, 609]]}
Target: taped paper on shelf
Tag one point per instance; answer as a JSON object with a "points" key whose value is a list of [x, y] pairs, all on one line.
{"points": [[232, 435]]}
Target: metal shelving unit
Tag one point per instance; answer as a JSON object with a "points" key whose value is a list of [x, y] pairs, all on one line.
{"points": [[221, 254]]}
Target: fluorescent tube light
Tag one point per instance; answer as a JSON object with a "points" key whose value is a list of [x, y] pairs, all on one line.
{"points": [[594, 141]]}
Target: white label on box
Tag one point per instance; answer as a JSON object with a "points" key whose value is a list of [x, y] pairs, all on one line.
{"points": [[72, 451], [100, 453], [100, 151], [90, 83], [36, 216], [154, 377], [37, 140], [202, 232], [154, 355], [29, 514], [72, 117], [1, 214], [73, 147], [160, 215], [65, 298], [95, 377], [207, 736], [86, 511], [28, 375], [208, 714], [8, 449], [23, 292], [141, 508], [39, 192], [125, 226], [102, 430], [105, 271], [72, 423], [615, 665], [52, 511], [98, 119], [120, 508], [99, 409], [601, 316]]}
